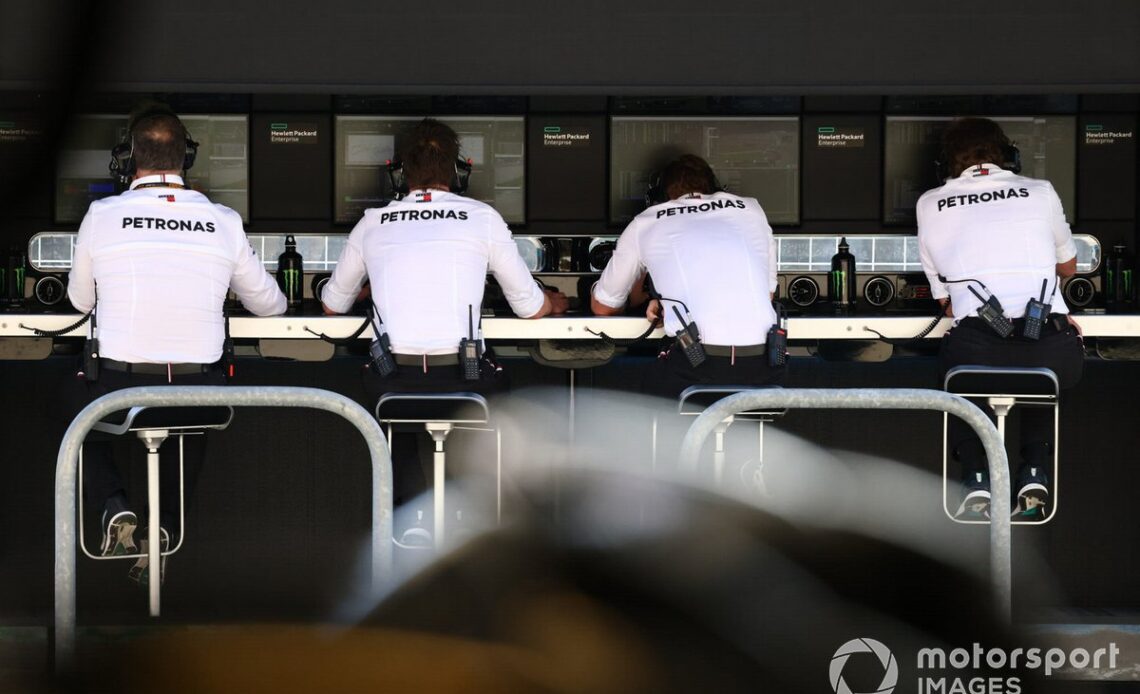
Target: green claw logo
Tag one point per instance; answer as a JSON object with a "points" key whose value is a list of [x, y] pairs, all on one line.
{"points": [[292, 284]]}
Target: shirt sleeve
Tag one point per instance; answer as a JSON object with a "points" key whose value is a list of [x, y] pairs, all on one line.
{"points": [[254, 287], [521, 291], [1062, 234], [81, 279], [344, 286], [773, 251], [625, 266], [938, 289]]}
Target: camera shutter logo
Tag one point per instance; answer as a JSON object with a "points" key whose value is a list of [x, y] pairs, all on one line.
{"points": [[886, 658]]}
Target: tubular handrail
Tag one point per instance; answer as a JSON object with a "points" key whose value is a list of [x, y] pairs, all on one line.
{"points": [[894, 399], [204, 396]]}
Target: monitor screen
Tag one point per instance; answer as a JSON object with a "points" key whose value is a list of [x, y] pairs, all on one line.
{"points": [[221, 169], [754, 157], [1048, 150], [494, 144]]}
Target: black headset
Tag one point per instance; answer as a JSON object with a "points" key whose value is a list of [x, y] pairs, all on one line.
{"points": [[655, 192], [399, 179], [1010, 154], [123, 166]]}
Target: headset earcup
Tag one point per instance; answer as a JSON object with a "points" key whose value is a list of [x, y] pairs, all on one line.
{"points": [[396, 178], [462, 176], [191, 153], [122, 164], [1012, 156]]}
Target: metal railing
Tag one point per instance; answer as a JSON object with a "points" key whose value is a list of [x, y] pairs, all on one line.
{"points": [[884, 399], [204, 396]]}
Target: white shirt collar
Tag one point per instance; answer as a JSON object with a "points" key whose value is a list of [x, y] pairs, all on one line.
{"points": [[171, 179], [977, 170]]}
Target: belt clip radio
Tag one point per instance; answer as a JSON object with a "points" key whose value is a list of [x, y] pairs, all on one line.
{"points": [[778, 341], [993, 315], [91, 352], [91, 359], [689, 340], [469, 352], [380, 351], [1037, 313]]}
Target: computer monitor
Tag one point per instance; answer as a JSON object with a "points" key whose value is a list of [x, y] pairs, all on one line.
{"points": [[494, 144], [751, 156], [221, 170], [1048, 148]]}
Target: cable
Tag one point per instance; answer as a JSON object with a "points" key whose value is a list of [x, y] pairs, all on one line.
{"points": [[623, 341], [62, 331], [342, 341]]}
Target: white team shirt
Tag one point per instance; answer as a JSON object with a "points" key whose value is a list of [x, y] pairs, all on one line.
{"points": [[162, 260], [427, 257], [1005, 230], [713, 252]]}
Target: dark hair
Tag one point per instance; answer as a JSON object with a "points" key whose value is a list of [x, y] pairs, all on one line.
{"points": [[429, 155], [688, 174], [970, 141], [159, 141]]}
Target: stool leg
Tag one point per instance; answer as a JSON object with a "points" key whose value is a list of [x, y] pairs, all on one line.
{"points": [[498, 476], [154, 548], [439, 461], [761, 487], [439, 434], [718, 454]]}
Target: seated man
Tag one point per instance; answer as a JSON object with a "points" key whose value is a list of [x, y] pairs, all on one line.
{"points": [[989, 232], [427, 256], [713, 261], [154, 264]]}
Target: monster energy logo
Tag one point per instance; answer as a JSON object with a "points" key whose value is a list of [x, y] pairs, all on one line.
{"points": [[837, 279], [19, 280], [292, 284], [1125, 280]]}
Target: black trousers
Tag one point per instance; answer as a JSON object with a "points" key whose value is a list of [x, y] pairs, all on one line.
{"points": [[408, 477], [671, 373], [973, 342], [102, 480]]}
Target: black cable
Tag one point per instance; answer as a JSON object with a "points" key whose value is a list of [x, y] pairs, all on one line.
{"points": [[342, 341], [623, 341], [903, 341], [62, 331]]}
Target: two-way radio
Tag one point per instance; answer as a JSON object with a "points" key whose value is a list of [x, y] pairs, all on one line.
{"points": [[380, 351], [777, 342], [1037, 312], [991, 311], [91, 347], [469, 353], [689, 339], [992, 314]]}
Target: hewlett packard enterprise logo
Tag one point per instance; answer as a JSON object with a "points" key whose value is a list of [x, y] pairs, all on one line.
{"points": [[284, 133]]}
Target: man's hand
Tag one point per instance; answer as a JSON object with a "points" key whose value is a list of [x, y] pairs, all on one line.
{"points": [[653, 312], [558, 301]]}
